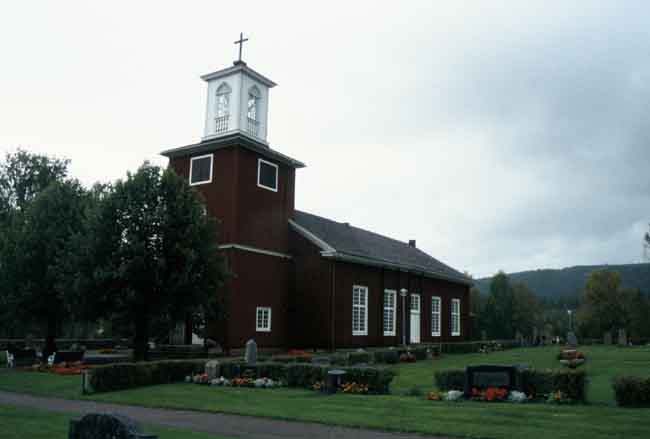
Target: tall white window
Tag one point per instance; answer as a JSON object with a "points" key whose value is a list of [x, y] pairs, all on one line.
{"points": [[390, 301], [435, 316], [455, 317], [359, 310], [263, 319]]}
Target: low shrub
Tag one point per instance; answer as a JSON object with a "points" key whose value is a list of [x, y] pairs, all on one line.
{"points": [[632, 391], [128, 375], [460, 348], [419, 352], [339, 359], [386, 356], [355, 358], [295, 358], [376, 379], [538, 383], [571, 383], [450, 379]]}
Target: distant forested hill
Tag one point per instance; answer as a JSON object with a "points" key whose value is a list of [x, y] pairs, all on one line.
{"points": [[570, 281]]}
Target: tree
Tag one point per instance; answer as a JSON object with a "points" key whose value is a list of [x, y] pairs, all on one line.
{"points": [[40, 250], [149, 252], [23, 176], [499, 308], [526, 313], [603, 306]]}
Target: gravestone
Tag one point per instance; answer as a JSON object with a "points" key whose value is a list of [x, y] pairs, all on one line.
{"points": [[102, 426], [571, 339], [607, 338], [519, 338], [251, 353], [483, 377], [622, 337], [212, 370]]}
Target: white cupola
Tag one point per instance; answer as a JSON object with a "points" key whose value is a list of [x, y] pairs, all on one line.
{"points": [[238, 102]]}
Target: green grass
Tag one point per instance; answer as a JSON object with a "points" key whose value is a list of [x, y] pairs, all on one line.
{"points": [[600, 419], [21, 423]]}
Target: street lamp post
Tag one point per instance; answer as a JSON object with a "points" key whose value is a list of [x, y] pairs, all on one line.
{"points": [[570, 320], [403, 292]]}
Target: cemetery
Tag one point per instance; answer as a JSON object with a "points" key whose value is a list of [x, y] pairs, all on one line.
{"points": [[297, 385]]}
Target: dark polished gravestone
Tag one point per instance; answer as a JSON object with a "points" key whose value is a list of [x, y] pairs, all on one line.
{"points": [[106, 426], [504, 377]]}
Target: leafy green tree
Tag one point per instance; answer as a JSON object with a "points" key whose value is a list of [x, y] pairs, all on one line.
{"points": [[149, 252], [23, 176], [603, 306], [40, 251], [499, 308], [526, 313]]}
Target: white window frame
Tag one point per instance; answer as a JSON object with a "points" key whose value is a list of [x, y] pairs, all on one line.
{"points": [[435, 332], [455, 317], [259, 328], [392, 309], [415, 298], [277, 176], [211, 169], [364, 290]]}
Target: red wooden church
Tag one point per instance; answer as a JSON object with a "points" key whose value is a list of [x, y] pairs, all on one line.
{"points": [[301, 280]]}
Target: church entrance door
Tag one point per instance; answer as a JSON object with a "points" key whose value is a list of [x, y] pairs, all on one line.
{"points": [[415, 318]]}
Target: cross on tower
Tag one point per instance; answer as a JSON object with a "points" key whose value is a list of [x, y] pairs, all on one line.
{"points": [[241, 43]]}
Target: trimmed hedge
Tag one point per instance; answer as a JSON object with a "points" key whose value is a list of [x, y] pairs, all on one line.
{"points": [[128, 375], [304, 375], [358, 358], [451, 379], [121, 376], [632, 391], [537, 382], [572, 383], [387, 356], [291, 358]]}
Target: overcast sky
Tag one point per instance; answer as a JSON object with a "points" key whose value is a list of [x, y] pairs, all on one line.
{"points": [[511, 137]]}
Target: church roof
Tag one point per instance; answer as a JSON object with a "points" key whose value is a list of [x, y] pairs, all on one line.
{"points": [[235, 139], [346, 242]]}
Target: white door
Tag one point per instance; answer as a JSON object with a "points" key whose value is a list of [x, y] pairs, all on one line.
{"points": [[415, 318]]}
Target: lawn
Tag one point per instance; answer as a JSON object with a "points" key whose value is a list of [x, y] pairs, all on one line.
{"points": [[600, 419], [20, 423]]}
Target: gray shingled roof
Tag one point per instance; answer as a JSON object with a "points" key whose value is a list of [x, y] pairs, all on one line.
{"points": [[352, 241]]}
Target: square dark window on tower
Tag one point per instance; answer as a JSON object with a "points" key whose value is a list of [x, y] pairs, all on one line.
{"points": [[267, 175], [201, 169]]}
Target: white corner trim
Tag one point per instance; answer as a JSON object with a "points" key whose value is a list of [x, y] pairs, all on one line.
{"points": [[277, 175], [211, 156], [255, 250], [325, 247]]}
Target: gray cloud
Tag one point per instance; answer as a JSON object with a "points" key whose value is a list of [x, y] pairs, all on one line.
{"points": [[513, 136]]}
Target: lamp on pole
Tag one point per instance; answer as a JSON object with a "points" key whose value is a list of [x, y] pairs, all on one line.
{"points": [[570, 320], [403, 292]]}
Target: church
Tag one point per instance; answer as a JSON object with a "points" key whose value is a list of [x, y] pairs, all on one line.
{"points": [[300, 280]]}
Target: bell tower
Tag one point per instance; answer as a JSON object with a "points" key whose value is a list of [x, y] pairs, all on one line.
{"points": [[237, 102], [248, 188]]}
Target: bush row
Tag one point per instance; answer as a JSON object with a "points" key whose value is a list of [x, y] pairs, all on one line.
{"points": [[306, 374], [536, 382], [128, 375], [632, 391]]}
